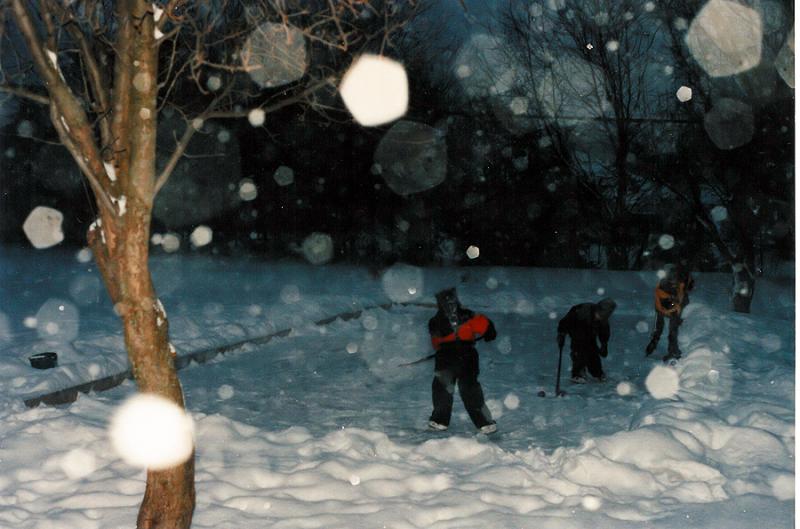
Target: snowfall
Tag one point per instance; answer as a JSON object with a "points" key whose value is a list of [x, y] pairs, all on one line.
{"points": [[321, 427]]}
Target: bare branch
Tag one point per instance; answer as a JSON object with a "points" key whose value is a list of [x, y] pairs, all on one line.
{"points": [[23, 92], [66, 112], [96, 81], [180, 148]]}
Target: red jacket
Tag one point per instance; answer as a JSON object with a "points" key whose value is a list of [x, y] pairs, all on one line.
{"points": [[474, 328]]}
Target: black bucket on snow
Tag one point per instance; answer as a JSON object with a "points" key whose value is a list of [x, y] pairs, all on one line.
{"points": [[44, 360]]}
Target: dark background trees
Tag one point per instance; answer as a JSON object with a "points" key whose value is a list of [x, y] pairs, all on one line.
{"points": [[528, 189]]}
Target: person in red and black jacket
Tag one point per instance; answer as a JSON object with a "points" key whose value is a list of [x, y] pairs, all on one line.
{"points": [[454, 331]]}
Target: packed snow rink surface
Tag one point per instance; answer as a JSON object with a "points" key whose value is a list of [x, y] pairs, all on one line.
{"points": [[322, 429]]}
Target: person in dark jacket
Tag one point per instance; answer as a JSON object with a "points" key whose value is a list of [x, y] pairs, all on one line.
{"points": [[672, 296], [586, 324], [454, 331]]}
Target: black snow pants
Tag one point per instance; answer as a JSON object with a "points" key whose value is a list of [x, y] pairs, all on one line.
{"points": [[586, 356], [459, 366], [674, 322]]}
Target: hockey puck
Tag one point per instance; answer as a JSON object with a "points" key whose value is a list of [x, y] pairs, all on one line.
{"points": [[542, 393]]}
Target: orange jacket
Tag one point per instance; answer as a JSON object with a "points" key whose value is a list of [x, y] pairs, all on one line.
{"points": [[669, 301], [469, 331]]}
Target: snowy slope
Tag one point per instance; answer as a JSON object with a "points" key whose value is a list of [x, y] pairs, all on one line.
{"points": [[322, 429]]}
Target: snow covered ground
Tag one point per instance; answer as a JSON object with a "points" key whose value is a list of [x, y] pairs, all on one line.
{"points": [[322, 429]]}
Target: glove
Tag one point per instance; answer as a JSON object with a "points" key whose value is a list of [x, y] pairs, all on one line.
{"points": [[668, 303], [561, 339], [491, 333], [604, 350]]}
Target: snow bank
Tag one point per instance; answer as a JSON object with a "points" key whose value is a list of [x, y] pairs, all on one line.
{"points": [[323, 429]]}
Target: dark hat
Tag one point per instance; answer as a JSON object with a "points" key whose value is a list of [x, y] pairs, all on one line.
{"points": [[605, 308], [446, 297]]}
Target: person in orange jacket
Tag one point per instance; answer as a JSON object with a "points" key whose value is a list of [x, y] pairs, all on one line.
{"points": [[671, 297], [454, 331]]}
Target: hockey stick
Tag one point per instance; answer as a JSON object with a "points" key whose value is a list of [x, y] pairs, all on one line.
{"points": [[559, 392], [419, 361]]}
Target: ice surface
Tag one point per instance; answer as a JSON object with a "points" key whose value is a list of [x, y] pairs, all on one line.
{"points": [[42, 227], [226, 392], [86, 289], [324, 430], [57, 321], [375, 90], [624, 389], [725, 38], [403, 283]]}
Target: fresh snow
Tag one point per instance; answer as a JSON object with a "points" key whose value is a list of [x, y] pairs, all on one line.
{"points": [[322, 429]]}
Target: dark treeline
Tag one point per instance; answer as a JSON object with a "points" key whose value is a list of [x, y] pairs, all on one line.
{"points": [[516, 192]]}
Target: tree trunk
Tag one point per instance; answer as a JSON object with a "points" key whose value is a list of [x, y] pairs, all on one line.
{"points": [[121, 251]]}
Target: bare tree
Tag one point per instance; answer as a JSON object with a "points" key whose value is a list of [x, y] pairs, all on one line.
{"points": [[748, 183], [583, 69], [105, 70]]}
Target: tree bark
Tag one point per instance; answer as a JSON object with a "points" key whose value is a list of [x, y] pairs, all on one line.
{"points": [[120, 242], [170, 495]]}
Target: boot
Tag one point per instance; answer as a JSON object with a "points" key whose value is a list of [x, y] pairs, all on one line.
{"points": [[674, 354], [650, 347]]}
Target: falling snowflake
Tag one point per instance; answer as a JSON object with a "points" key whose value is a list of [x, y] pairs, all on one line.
{"points": [[624, 389], [256, 117], [684, 94], [511, 401], [225, 392], [283, 176], [247, 190], [149, 431], [375, 90], [201, 236], [42, 227], [662, 382], [666, 241]]}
